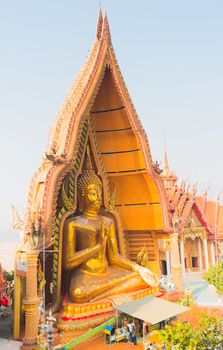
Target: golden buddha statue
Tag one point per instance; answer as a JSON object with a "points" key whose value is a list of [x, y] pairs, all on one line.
{"points": [[90, 249]]}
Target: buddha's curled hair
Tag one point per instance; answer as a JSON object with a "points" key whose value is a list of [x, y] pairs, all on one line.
{"points": [[87, 177]]}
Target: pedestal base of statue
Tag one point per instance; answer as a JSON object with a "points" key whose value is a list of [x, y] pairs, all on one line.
{"points": [[77, 319]]}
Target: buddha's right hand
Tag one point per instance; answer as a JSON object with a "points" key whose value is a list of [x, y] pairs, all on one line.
{"points": [[103, 235], [148, 276]]}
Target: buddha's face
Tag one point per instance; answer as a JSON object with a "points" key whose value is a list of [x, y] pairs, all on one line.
{"points": [[93, 197]]}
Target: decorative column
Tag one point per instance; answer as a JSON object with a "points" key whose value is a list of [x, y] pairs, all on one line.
{"points": [[176, 266], [200, 255], [182, 257], [206, 254], [31, 301], [212, 254]]}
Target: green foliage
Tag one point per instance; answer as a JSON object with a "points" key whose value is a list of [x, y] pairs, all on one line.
{"points": [[9, 276], [215, 276], [208, 334], [179, 336]]}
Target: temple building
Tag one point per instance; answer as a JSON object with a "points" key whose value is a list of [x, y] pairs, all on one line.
{"points": [[212, 212], [103, 221], [94, 203], [197, 221]]}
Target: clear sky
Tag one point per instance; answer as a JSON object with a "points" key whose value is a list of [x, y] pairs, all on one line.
{"points": [[171, 56]]}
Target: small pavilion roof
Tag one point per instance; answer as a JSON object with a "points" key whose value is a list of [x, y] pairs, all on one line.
{"points": [[151, 309]]}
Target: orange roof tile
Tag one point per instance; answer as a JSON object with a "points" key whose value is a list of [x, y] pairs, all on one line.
{"points": [[220, 218], [200, 201], [210, 213]]}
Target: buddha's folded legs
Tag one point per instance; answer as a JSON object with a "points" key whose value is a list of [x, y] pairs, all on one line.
{"points": [[130, 285], [85, 286]]}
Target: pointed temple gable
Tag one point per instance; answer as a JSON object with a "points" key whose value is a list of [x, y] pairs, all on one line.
{"points": [[100, 92]]}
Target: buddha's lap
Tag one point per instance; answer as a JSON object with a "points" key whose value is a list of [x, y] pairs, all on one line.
{"points": [[85, 287], [112, 276]]}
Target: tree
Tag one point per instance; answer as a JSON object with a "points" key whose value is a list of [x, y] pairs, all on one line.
{"points": [[215, 276], [9, 276], [179, 336], [207, 334], [210, 333]]}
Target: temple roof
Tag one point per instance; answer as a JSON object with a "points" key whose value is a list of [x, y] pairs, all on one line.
{"points": [[208, 212], [183, 203], [212, 213], [99, 91]]}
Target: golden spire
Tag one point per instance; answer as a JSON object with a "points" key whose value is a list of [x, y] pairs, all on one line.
{"points": [[169, 176], [99, 25], [166, 170], [106, 29]]}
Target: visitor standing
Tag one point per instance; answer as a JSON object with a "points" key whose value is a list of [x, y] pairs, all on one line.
{"points": [[134, 334], [130, 327]]}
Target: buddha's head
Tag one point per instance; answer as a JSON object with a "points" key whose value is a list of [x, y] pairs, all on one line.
{"points": [[89, 188]]}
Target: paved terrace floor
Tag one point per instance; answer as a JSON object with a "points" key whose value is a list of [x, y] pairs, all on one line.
{"points": [[99, 344], [9, 344], [204, 295]]}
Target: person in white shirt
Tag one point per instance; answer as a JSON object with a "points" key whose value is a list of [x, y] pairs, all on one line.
{"points": [[130, 327]]}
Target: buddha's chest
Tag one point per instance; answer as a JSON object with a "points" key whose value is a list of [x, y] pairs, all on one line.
{"points": [[90, 234], [87, 236]]}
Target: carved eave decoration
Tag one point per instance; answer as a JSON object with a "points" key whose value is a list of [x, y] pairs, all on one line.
{"points": [[67, 134], [194, 232]]}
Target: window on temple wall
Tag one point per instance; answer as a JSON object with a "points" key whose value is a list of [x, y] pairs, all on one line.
{"points": [[194, 261], [185, 262]]}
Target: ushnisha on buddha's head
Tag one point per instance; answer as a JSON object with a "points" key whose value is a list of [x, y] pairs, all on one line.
{"points": [[89, 189]]}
